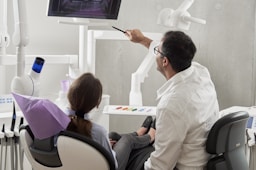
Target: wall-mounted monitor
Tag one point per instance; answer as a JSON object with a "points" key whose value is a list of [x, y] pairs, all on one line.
{"points": [[91, 9]]}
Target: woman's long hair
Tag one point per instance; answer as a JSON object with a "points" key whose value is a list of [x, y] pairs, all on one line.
{"points": [[84, 95]]}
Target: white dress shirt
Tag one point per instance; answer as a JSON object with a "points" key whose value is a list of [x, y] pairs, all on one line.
{"points": [[187, 109]]}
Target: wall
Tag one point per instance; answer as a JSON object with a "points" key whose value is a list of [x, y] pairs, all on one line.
{"points": [[225, 45]]}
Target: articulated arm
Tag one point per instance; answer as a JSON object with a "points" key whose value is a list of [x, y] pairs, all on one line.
{"points": [[135, 97], [26, 84], [138, 77], [179, 18], [20, 36], [4, 36]]}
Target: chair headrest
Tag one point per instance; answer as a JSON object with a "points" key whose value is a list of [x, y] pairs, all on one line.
{"points": [[227, 133], [44, 117], [43, 151], [108, 156]]}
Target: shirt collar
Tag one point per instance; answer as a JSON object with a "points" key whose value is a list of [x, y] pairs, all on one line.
{"points": [[178, 77]]}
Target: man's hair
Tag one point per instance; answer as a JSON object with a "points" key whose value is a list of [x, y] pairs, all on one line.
{"points": [[179, 49]]}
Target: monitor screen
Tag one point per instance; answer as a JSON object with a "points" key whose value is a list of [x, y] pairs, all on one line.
{"points": [[96, 9]]}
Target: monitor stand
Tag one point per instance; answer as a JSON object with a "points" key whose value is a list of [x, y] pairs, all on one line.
{"points": [[84, 25]]}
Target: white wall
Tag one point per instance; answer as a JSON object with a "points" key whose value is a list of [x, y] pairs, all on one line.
{"points": [[226, 45]]}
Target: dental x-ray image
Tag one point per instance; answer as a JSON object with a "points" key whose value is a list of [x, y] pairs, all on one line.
{"points": [[101, 9]]}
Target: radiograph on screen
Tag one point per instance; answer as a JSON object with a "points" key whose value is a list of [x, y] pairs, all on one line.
{"points": [[102, 9]]}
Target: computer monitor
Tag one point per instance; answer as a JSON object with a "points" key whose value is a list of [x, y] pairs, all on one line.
{"points": [[91, 9]]}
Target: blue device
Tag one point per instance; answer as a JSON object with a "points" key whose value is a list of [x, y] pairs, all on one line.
{"points": [[38, 64]]}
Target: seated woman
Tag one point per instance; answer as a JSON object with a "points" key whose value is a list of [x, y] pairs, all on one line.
{"points": [[84, 95]]}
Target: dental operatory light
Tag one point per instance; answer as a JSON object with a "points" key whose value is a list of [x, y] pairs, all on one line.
{"points": [[179, 18]]}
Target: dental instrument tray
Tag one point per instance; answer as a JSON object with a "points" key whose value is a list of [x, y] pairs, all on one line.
{"points": [[129, 110]]}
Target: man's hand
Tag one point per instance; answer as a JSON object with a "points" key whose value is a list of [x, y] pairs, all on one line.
{"points": [[137, 36], [112, 142]]}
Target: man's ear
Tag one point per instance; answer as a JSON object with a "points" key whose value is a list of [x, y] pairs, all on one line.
{"points": [[165, 62]]}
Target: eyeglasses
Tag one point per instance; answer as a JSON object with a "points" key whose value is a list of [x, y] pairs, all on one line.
{"points": [[156, 51]]}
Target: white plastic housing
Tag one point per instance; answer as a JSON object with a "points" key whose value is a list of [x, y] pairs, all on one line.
{"points": [[27, 84], [135, 96], [179, 18], [4, 36]]}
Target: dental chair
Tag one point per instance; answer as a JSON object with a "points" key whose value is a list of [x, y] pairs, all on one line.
{"points": [[73, 151], [226, 140]]}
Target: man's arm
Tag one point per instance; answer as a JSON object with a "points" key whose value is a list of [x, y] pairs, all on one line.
{"points": [[137, 36]]}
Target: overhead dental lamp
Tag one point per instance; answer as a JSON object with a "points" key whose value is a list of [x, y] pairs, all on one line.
{"points": [[179, 18]]}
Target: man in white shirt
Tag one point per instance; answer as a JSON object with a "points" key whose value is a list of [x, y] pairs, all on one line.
{"points": [[187, 107]]}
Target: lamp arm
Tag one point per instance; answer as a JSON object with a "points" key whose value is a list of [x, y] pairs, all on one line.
{"points": [[135, 97], [193, 19], [179, 18], [186, 4], [145, 66]]}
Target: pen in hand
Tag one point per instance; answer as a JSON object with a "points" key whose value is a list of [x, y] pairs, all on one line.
{"points": [[119, 29]]}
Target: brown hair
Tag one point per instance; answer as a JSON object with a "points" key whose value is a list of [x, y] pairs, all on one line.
{"points": [[84, 95]]}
